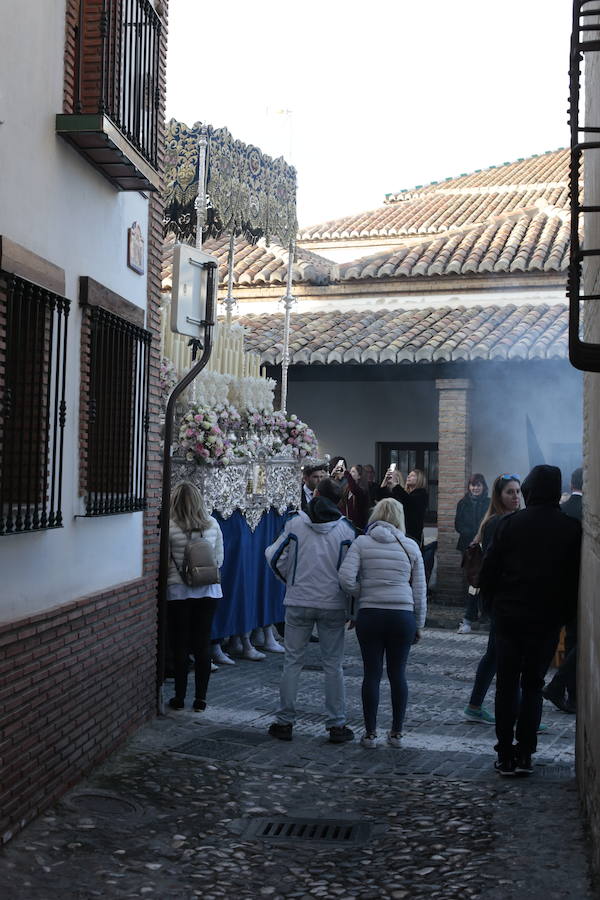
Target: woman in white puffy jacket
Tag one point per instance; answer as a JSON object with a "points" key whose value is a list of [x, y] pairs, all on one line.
{"points": [[190, 610], [385, 569]]}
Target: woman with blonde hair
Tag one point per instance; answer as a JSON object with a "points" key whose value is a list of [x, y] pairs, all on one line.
{"points": [[412, 495], [190, 610], [386, 568]]}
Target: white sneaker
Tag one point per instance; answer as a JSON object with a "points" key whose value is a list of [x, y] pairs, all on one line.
{"points": [[464, 628], [221, 658], [369, 741], [273, 646], [213, 668], [393, 739], [254, 654]]}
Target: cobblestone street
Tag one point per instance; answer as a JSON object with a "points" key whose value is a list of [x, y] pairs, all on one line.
{"points": [[166, 817]]}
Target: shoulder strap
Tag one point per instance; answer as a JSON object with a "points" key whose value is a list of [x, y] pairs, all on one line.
{"points": [[408, 558]]}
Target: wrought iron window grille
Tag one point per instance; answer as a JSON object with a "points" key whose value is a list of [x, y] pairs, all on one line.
{"points": [[118, 42], [33, 358], [117, 414], [585, 38]]}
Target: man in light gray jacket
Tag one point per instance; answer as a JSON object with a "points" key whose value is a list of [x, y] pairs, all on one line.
{"points": [[307, 556]]}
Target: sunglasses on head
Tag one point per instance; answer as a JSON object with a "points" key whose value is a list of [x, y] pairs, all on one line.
{"points": [[510, 477]]}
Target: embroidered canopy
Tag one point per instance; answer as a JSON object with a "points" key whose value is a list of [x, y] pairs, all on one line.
{"points": [[249, 193]]}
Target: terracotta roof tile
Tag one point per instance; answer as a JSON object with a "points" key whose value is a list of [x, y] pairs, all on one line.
{"points": [[257, 265], [458, 202], [528, 242], [409, 336]]}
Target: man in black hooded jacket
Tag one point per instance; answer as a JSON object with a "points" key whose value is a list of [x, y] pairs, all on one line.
{"points": [[531, 573]]}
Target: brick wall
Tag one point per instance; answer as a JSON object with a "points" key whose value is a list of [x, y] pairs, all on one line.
{"points": [[78, 679], [454, 444], [71, 26], [75, 682]]}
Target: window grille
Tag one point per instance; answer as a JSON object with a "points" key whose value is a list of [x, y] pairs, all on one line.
{"points": [[33, 350], [119, 42], [585, 38], [117, 414]]}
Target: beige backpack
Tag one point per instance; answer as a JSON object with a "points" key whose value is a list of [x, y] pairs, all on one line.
{"points": [[199, 566]]}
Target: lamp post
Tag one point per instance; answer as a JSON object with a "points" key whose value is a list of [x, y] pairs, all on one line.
{"points": [[204, 343]]}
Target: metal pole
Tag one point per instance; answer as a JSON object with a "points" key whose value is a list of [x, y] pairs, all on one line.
{"points": [[200, 201], [229, 301], [163, 571], [288, 301]]}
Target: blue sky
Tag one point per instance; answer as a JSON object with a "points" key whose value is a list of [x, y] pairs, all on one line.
{"points": [[369, 98]]}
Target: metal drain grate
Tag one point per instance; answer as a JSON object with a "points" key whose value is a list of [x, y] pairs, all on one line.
{"points": [[210, 749], [97, 803], [237, 736], [322, 831]]}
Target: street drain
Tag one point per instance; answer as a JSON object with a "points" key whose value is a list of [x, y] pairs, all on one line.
{"points": [[204, 747], [237, 736], [322, 831], [97, 803]]}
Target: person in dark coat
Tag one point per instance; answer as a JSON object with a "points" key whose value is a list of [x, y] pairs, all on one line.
{"points": [[355, 498], [506, 498], [562, 689], [469, 514], [413, 496], [531, 574], [311, 476], [573, 506]]}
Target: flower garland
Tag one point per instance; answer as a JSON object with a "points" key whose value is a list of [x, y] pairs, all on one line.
{"points": [[300, 437], [218, 435], [202, 438]]}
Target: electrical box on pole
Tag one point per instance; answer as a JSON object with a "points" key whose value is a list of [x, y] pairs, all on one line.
{"points": [[194, 278]]}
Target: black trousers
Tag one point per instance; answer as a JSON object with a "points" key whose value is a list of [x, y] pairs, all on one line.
{"points": [[523, 654], [189, 623]]}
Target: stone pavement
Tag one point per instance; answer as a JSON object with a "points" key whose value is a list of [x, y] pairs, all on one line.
{"points": [[175, 814]]}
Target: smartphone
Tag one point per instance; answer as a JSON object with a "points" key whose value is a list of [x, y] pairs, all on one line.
{"points": [[392, 467]]}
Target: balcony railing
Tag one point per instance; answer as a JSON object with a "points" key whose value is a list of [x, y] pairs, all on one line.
{"points": [[116, 103]]}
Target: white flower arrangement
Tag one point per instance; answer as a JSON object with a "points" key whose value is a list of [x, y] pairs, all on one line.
{"points": [[252, 394], [168, 378], [212, 388]]}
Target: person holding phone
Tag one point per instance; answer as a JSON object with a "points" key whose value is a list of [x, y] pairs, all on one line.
{"points": [[413, 496], [354, 503]]}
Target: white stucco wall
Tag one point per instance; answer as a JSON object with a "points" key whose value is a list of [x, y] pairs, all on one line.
{"points": [[56, 205], [351, 417]]}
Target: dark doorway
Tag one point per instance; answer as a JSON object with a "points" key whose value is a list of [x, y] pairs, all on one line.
{"points": [[409, 456]]}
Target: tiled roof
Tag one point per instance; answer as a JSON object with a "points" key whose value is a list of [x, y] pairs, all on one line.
{"points": [[458, 202], [530, 242], [411, 336], [255, 264]]}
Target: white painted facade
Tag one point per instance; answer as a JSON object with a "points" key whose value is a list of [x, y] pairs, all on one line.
{"points": [[56, 205], [380, 302]]}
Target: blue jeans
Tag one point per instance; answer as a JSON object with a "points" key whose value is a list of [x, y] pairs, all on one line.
{"points": [[389, 631], [299, 622], [485, 670]]}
